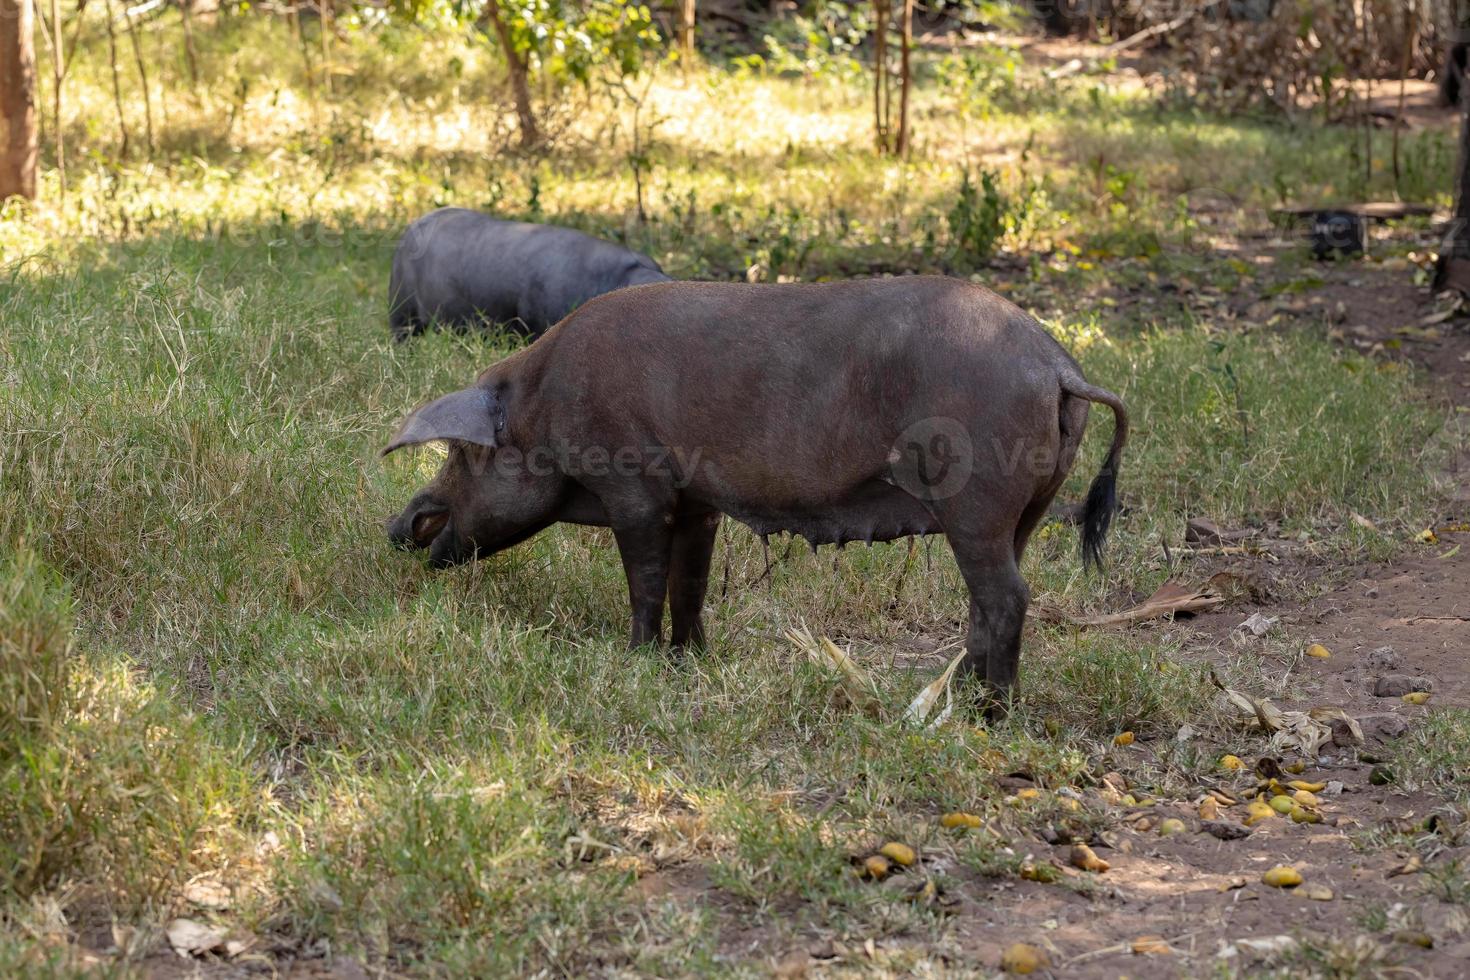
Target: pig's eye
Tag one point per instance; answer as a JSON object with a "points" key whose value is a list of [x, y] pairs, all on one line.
{"points": [[426, 526]]}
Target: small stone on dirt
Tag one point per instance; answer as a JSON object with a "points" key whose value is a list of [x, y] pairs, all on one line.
{"points": [[1383, 727], [1202, 531], [1224, 829], [1384, 658], [1397, 685], [191, 938]]}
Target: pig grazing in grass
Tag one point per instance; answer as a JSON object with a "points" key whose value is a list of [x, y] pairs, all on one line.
{"points": [[852, 411], [461, 268]]}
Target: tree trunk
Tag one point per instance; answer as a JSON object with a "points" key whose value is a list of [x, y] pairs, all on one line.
{"points": [[191, 57], [520, 85], [905, 77], [324, 26], [686, 31], [142, 77], [58, 75], [17, 100], [117, 101], [880, 74]]}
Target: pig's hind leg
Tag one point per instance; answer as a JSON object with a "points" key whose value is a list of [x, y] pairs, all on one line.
{"points": [[998, 601]]}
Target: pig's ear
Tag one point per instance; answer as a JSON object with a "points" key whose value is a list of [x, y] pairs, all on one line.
{"points": [[474, 415]]}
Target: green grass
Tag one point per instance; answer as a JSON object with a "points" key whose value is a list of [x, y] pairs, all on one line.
{"points": [[232, 674]]}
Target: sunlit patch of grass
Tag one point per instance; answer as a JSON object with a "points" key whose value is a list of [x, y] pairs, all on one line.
{"points": [[1435, 756]]}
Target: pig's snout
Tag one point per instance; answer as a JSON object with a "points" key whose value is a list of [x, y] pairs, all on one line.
{"points": [[417, 527]]}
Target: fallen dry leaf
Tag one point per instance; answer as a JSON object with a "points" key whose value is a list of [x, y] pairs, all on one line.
{"points": [[1151, 946], [1345, 728], [1413, 865], [1262, 946], [1257, 624], [1170, 599], [856, 686], [923, 703], [1289, 729]]}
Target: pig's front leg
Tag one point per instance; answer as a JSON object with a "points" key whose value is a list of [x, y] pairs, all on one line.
{"points": [[644, 547], [693, 546]]}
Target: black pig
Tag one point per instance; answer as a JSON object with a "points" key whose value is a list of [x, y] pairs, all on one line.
{"points": [[462, 268], [852, 411]]}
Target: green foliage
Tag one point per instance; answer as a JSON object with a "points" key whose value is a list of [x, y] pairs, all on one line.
{"points": [[35, 649], [570, 41], [978, 219], [984, 81], [821, 42]]}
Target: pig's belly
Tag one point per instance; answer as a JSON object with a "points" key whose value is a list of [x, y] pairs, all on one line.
{"points": [[874, 511]]}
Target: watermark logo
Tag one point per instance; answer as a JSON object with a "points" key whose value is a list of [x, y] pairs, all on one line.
{"points": [[932, 459]]}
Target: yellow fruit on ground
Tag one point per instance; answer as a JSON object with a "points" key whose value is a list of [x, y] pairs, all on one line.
{"points": [[1256, 812], [1209, 809], [1123, 738], [1309, 787], [1084, 858], [1231, 762], [1319, 651], [1295, 768], [1417, 697], [899, 853], [1282, 804], [1282, 876], [1317, 893], [1022, 959], [1043, 873], [1301, 814], [876, 867], [955, 820], [1305, 798], [1172, 826]]}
